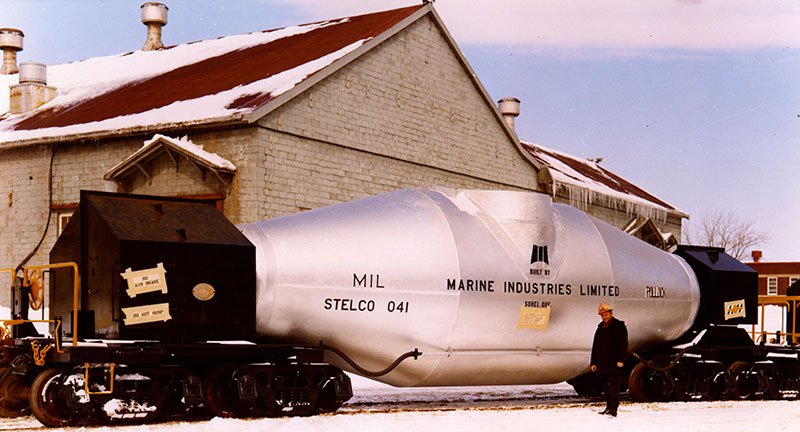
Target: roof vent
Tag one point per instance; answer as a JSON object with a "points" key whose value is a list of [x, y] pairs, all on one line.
{"points": [[10, 43], [32, 73], [154, 16], [509, 108], [32, 90]]}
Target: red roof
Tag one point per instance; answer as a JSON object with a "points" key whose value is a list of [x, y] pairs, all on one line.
{"points": [[237, 67], [775, 268], [573, 171]]}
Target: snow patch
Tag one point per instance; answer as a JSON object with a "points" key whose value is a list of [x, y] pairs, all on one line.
{"points": [[119, 409], [195, 149]]}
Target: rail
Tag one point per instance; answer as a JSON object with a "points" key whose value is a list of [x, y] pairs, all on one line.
{"points": [[790, 303], [75, 294]]}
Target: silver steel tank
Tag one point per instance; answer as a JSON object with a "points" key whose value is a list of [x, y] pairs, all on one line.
{"points": [[494, 287]]}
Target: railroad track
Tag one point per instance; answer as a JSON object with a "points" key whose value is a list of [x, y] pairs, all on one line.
{"points": [[461, 401], [394, 400]]}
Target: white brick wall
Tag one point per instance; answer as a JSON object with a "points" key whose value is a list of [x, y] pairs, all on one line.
{"points": [[24, 205], [405, 114]]}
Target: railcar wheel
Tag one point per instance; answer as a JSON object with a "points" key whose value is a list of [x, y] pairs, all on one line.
{"points": [[717, 386], [647, 385], [13, 396], [55, 402], [326, 398], [221, 392], [171, 400], [744, 383]]}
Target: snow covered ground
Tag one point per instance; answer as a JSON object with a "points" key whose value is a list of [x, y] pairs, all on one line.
{"points": [[376, 407]]}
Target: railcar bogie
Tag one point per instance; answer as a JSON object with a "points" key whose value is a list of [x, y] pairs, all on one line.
{"points": [[697, 374], [108, 383]]}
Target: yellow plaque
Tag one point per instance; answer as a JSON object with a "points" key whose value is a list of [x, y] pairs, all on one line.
{"points": [[734, 309], [533, 318], [146, 314], [145, 281]]}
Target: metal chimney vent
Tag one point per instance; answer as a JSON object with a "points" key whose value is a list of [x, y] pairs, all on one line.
{"points": [[509, 108], [10, 43], [32, 90], [30, 72], [154, 16]]}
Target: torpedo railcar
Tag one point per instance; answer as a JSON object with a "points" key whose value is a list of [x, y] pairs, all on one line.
{"points": [[160, 308]]}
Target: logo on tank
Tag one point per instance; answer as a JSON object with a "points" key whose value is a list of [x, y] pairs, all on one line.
{"points": [[539, 254]]}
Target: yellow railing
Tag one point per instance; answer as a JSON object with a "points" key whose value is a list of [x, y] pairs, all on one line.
{"points": [[790, 303], [75, 294]]}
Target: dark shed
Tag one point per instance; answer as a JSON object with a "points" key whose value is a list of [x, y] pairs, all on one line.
{"points": [[728, 288], [155, 268]]}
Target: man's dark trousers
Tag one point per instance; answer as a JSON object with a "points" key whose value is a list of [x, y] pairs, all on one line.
{"points": [[611, 384]]}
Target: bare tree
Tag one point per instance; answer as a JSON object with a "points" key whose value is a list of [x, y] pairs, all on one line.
{"points": [[727, 230]]}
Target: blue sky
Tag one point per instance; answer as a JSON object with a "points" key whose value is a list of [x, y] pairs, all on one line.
{"points": [[696, 101]]}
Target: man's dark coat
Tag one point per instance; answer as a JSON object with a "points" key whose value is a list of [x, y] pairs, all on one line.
{"points": [[610, 346]]}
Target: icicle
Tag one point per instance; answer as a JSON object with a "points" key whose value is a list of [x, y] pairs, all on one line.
{"points": [[583, 198]]}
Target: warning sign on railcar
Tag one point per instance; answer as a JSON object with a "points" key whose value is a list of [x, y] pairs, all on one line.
{"points": [[146, 314], [145, 281]]}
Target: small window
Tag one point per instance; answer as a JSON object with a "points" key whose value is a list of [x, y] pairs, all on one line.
{"points": [[793, 279], [63, 220], [772, 286]]}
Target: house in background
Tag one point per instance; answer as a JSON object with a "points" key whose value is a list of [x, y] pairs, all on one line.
{"points": [[774, 277], [275, 122], [775, 280]]}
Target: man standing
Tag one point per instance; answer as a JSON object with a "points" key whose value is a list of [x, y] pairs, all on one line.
{"points": [[609, 351]]}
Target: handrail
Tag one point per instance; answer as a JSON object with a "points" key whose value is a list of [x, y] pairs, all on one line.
{"points": [[789, 302], [75, 293], [4, 331]]}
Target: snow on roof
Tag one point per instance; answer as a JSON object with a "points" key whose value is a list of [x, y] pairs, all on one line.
{"points": [[587, 182], [221, 79], [187, 147]]}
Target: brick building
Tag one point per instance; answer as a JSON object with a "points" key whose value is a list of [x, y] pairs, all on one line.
{"points": [[774, 281], [275, 122], [775, 277]]}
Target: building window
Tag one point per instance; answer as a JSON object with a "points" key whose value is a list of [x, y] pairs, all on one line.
{"points": [[63, 220], [772, 286], [793, 279]]}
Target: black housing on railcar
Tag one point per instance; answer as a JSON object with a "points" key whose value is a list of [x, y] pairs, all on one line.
{"points": [[725, 285], [206, 293]]}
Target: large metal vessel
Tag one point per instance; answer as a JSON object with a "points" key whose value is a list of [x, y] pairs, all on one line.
{"points": [[494, 287]]}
